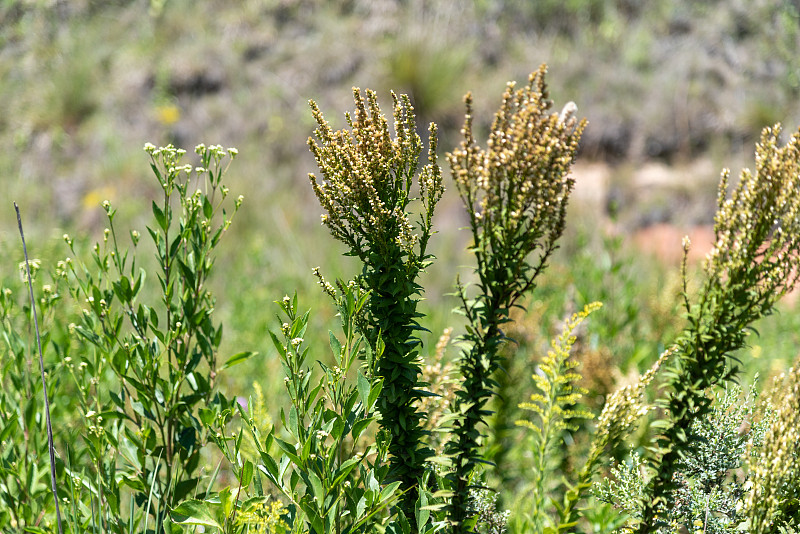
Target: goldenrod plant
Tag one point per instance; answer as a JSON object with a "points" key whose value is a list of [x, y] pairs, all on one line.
{"points": [[515, 192], [366, 192], [555, 409]]}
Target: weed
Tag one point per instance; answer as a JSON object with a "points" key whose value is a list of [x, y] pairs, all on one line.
{"points": [[366, 193], [143, 431], [515, 193]]}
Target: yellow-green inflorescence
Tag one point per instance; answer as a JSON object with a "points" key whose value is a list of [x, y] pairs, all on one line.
{"points": [[367, 177], [515, 192], [753, 263], [774, 497], [366, 192], [555, 406], [758, 228], [516, 189]]}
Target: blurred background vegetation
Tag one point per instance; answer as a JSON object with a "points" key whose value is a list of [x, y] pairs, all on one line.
{"points": [[673, 90]]}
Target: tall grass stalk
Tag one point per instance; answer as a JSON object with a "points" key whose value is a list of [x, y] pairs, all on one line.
{"points": [[50, 445]]}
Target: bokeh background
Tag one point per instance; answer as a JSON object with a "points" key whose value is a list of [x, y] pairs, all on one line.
{"points": [[673, 91]]}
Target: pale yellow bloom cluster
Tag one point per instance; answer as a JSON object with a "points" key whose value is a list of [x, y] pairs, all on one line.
{"points": [[758, 228], [518, 186], [368, 175], [624, 407], [263, 518], [776, 468]]}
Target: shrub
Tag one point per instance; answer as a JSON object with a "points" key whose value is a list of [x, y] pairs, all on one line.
{"points": [[710, 485]]}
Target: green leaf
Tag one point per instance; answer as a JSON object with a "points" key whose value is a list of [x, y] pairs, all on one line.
{"points": [[389, 490], [374, 393], [359, 427], [336, 347], [8, 429], [237, 358], [184, 488], [247, 474], [422, 514], [160, 218], [344, 470], [227, 499], [289, 450], [195, 512], [363, 390], [316, 487], [294, 424], [270, 466]]}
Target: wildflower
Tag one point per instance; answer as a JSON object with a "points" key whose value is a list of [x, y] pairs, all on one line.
{"points": [[365, 191], [168, 114], [775, 471], [515, 192]]}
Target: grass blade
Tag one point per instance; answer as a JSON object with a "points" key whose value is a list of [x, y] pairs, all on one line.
{"points": [[41, 368]]}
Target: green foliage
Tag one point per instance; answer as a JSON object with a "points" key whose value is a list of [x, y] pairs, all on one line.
{"points": [[25, 493], [555, 408], [515, 193], [366, 193], [143, 433], [352, 451], [752, 264], [710, 487], [329, 469]]}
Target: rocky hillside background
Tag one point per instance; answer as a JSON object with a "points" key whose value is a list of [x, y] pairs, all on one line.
{"points": [[85, 83], [673, 90]]}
